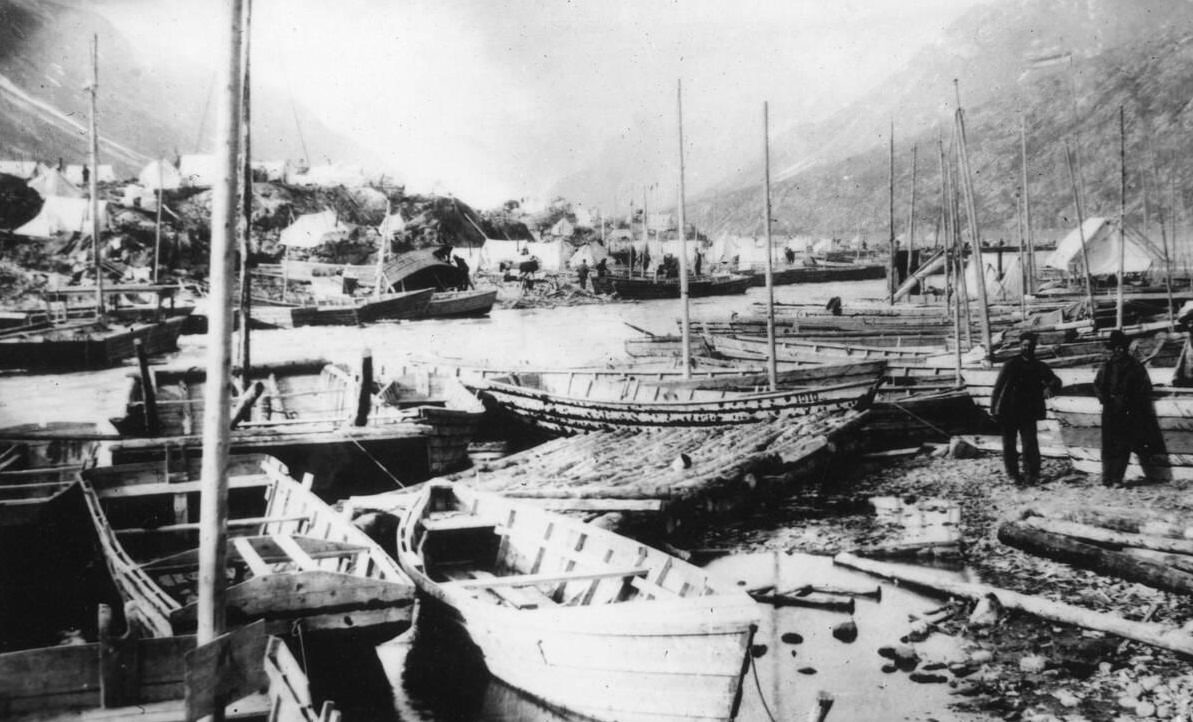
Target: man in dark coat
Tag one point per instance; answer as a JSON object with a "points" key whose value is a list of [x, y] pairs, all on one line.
{"points": [[1017, 403], [1128, 416]]}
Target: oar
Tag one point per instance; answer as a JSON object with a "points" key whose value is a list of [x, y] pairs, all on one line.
{"points": [[639, 330]]}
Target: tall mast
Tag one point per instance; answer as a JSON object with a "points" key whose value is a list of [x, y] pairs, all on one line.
{"points": [[246, 203], [1122, 212], [951, 297], [157, 228], [217, 412], [771, 370], [971, 212], [1031, 250], [685, 334], [892, 281], [1089, 285], [911, 213], [94, 181]]}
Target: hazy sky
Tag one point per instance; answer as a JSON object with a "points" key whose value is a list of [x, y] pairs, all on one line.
{"points": [[496, 99]]}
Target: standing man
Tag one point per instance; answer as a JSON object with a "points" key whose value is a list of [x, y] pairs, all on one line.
{"points": [[582, 273], [1017, 403], [1128, 417]]}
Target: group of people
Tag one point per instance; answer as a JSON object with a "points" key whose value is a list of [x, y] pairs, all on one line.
{"points": [[582, 271], [1121, 384]]}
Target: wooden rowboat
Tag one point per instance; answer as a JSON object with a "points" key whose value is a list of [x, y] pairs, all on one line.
{"points": [[569, 402], [314, 417], [292, 561], [1079, 415], [645, 288], [796, 350], [576, 616], [461, 304]]}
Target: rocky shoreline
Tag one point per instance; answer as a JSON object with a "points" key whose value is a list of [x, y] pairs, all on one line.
{"points": [[1018, 667]]}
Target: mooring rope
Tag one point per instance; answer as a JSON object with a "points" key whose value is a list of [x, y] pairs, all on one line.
{"points": [[918, 418], [758, 686], [378, 463]]}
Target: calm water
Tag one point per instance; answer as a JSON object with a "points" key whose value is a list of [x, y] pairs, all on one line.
{"points": [[556, 337], [431, 680]]}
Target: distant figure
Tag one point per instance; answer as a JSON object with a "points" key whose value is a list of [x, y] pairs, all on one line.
{"points": [[602, 268], [1017, 403], [466, 278], [633, 257], [1128, 417], [582, 273], [1183, 374], [834, 305], [699, 262], [444, 254], [86, 175], [789, 255], [645, 259]]}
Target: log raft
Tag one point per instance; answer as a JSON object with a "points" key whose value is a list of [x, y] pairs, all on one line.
{"points": [[672, 472]]}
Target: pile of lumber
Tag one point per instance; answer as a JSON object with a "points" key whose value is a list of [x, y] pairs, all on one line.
{"points": [[1125, 543]]}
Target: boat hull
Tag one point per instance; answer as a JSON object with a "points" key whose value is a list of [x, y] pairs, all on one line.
{"points": [[676, 651], [649, 288], [1079, 417], [56, 350], [461, 304], [646, 405]]}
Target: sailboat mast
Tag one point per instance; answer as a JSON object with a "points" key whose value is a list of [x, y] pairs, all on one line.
{"points": [[772, 373], [246, 204], [950, 278], [911, 214], [217, 411], [157, 228], [94, 181], [1031, 250], [1089, 285], [1122, 212], [892, 281], [685, 334], [971, 213]]}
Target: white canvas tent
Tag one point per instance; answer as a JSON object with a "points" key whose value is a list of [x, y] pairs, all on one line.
{"points": [[1101, 245], [21, 168], [61, 215], [52, 183], [494, 252], [312, 229], [1007, 288], [590, 253], [552, 255], [159, 172], [198, 170], [562, 228]]}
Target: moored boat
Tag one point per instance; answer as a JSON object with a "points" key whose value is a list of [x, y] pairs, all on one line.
{"points": [[577, 616], [568, 402], [292, 561], [81, 345], [461, 304], [316, 417], [648, 287]]}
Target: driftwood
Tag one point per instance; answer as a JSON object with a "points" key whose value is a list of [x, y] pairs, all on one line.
{"points": [[875, 593], [1063, 548], [1125, 520], [1102, 535], [1157, 635], [814, 601]]}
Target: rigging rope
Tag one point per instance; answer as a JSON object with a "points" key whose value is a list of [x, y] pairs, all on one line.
{"points": [[378, 463], [758, 686]]}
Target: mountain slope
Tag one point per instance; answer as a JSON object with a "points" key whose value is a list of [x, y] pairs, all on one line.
{"points": [[144, 112], [833, 177]]}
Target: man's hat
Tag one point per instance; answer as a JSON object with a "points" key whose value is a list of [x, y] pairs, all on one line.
{"points": [[1118, 339]]}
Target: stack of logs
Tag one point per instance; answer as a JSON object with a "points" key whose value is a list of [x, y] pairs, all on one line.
{"points": [[1122, 543]]}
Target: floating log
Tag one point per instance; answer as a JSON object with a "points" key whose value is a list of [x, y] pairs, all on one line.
{"points": [[1063, 548], [1101, 535], [1157, 635]]}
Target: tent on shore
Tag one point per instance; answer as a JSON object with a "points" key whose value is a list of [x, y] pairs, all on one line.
{"points": [[61, 216], [312, 229], [159, 172], [52, 183], [1101, 246]]}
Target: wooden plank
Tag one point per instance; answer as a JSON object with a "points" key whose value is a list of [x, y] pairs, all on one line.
{"points": [[291, 547], [250, 556], [185, 487], [452, 523], [547, 578], [591, 504], [228, 668], [232, 524]]}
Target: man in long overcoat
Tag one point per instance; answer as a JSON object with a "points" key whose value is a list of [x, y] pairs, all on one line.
{"points": [[1017, 403], [1128, 415]]}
